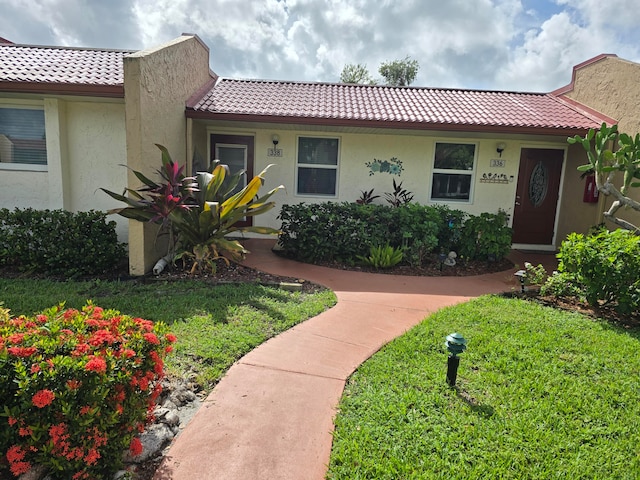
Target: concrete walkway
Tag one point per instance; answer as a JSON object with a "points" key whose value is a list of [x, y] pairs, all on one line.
{"points": [[271, 416]]}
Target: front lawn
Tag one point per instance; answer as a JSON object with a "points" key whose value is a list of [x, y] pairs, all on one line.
{"points": [[541, 394], [215, 325]]}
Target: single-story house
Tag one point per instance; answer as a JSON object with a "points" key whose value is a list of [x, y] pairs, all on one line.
{"points": [[71, 117]]}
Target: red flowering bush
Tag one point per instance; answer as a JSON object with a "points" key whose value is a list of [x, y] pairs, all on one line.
{"points": [[76, 389]]}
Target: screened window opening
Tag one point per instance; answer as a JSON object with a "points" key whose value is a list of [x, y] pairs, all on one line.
{"points": [[453, 171], [317, 166], [22, 136]]}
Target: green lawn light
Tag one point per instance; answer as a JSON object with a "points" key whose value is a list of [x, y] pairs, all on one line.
{"points": [[456, 344]]}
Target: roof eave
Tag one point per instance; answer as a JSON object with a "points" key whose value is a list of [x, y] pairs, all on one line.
{"points": [[73, 89], [341, 122]]}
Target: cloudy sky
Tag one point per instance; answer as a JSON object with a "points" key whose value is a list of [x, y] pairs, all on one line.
{"points": [[521, 45]]}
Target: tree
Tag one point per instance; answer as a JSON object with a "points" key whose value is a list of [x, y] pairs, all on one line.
{"points": [[352, 73], [399, 73], [606, 163]]}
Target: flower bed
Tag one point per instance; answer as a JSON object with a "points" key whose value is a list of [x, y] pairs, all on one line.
{"points": [[78, 387]]}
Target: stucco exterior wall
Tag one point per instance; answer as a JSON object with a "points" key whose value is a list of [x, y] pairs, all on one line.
{"points": [[96, 146], [575, 215], [157, 84], [416, 153], [24, 189], [85, 143], [610, 86]]}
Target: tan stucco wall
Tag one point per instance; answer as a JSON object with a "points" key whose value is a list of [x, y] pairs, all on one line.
{"points": [[416, 153], [575, 215], [85, 143], [96, 146], [157, 84], [611, 87]]}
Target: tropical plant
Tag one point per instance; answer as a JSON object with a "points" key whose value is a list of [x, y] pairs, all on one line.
{"points": [[382, 256], [366, 197], [199, 211], [606, 164], [399, 196]]}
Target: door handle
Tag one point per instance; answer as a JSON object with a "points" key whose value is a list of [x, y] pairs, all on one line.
{"points": [[517, 203]]}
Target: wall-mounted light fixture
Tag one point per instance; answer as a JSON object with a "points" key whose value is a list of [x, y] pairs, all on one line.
{"points": [[500, 148], [275, 151]]}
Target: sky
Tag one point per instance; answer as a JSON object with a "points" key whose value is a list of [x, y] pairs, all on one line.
{"points": [[513, 45]]}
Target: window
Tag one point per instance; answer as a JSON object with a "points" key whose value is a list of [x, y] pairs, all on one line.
{"points": [[317, 166], [22, 136], [453, 171]]}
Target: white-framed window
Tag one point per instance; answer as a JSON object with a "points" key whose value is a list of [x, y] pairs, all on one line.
{"points": [[317, 166], [22, 136], [453, 171]]}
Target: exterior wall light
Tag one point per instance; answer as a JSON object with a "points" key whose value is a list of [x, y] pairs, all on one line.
{"points": [[275, 151], [500, 148], [456, 344]]}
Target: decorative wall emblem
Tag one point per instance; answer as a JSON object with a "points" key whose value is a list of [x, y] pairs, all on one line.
{"points": [[538, 184], [393, 166]]}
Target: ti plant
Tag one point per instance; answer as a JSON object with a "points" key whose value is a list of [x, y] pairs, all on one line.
{"points": [[366, 197], [399, 196], [199, 211]]}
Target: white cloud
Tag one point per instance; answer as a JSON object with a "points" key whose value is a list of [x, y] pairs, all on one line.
{"points": [[492, 44]]}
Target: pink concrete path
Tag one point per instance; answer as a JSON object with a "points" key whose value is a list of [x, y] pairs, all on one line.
{"points": [[271, 416]]}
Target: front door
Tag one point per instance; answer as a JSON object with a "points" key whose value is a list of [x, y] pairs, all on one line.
{"points": [[534, 213], [236, 151]]}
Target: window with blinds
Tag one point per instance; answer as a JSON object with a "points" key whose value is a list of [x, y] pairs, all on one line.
{"points": [[22, 136]]}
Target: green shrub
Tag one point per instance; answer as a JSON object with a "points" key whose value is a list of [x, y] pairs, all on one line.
{"points": [[77, 387], [58, 242], [450, 223], [485, 237], [601, 267], [344, 231], [416, 231], [384, 256], [327, 231]]}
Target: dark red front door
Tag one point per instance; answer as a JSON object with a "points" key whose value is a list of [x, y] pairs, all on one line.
{"points": [[534, 213], [236, 151]]}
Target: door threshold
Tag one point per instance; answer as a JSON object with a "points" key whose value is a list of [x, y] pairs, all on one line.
{"points": [[532, 248]]}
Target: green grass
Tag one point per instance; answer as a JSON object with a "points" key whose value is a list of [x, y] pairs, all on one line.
{"points": [[215, 325], [541, 394]]}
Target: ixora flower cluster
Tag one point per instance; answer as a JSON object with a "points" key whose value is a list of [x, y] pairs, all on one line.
{"points": [[77, 389]]}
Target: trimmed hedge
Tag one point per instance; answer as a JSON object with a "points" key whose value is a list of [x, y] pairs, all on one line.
{"points": [[58, 242], [343, 231]]}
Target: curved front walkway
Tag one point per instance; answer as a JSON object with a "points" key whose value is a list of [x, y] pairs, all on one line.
{"points": [[271, 416]]}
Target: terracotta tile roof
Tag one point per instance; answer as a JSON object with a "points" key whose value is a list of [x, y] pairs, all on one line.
{"points": [[399, 107], [29, 67]]}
